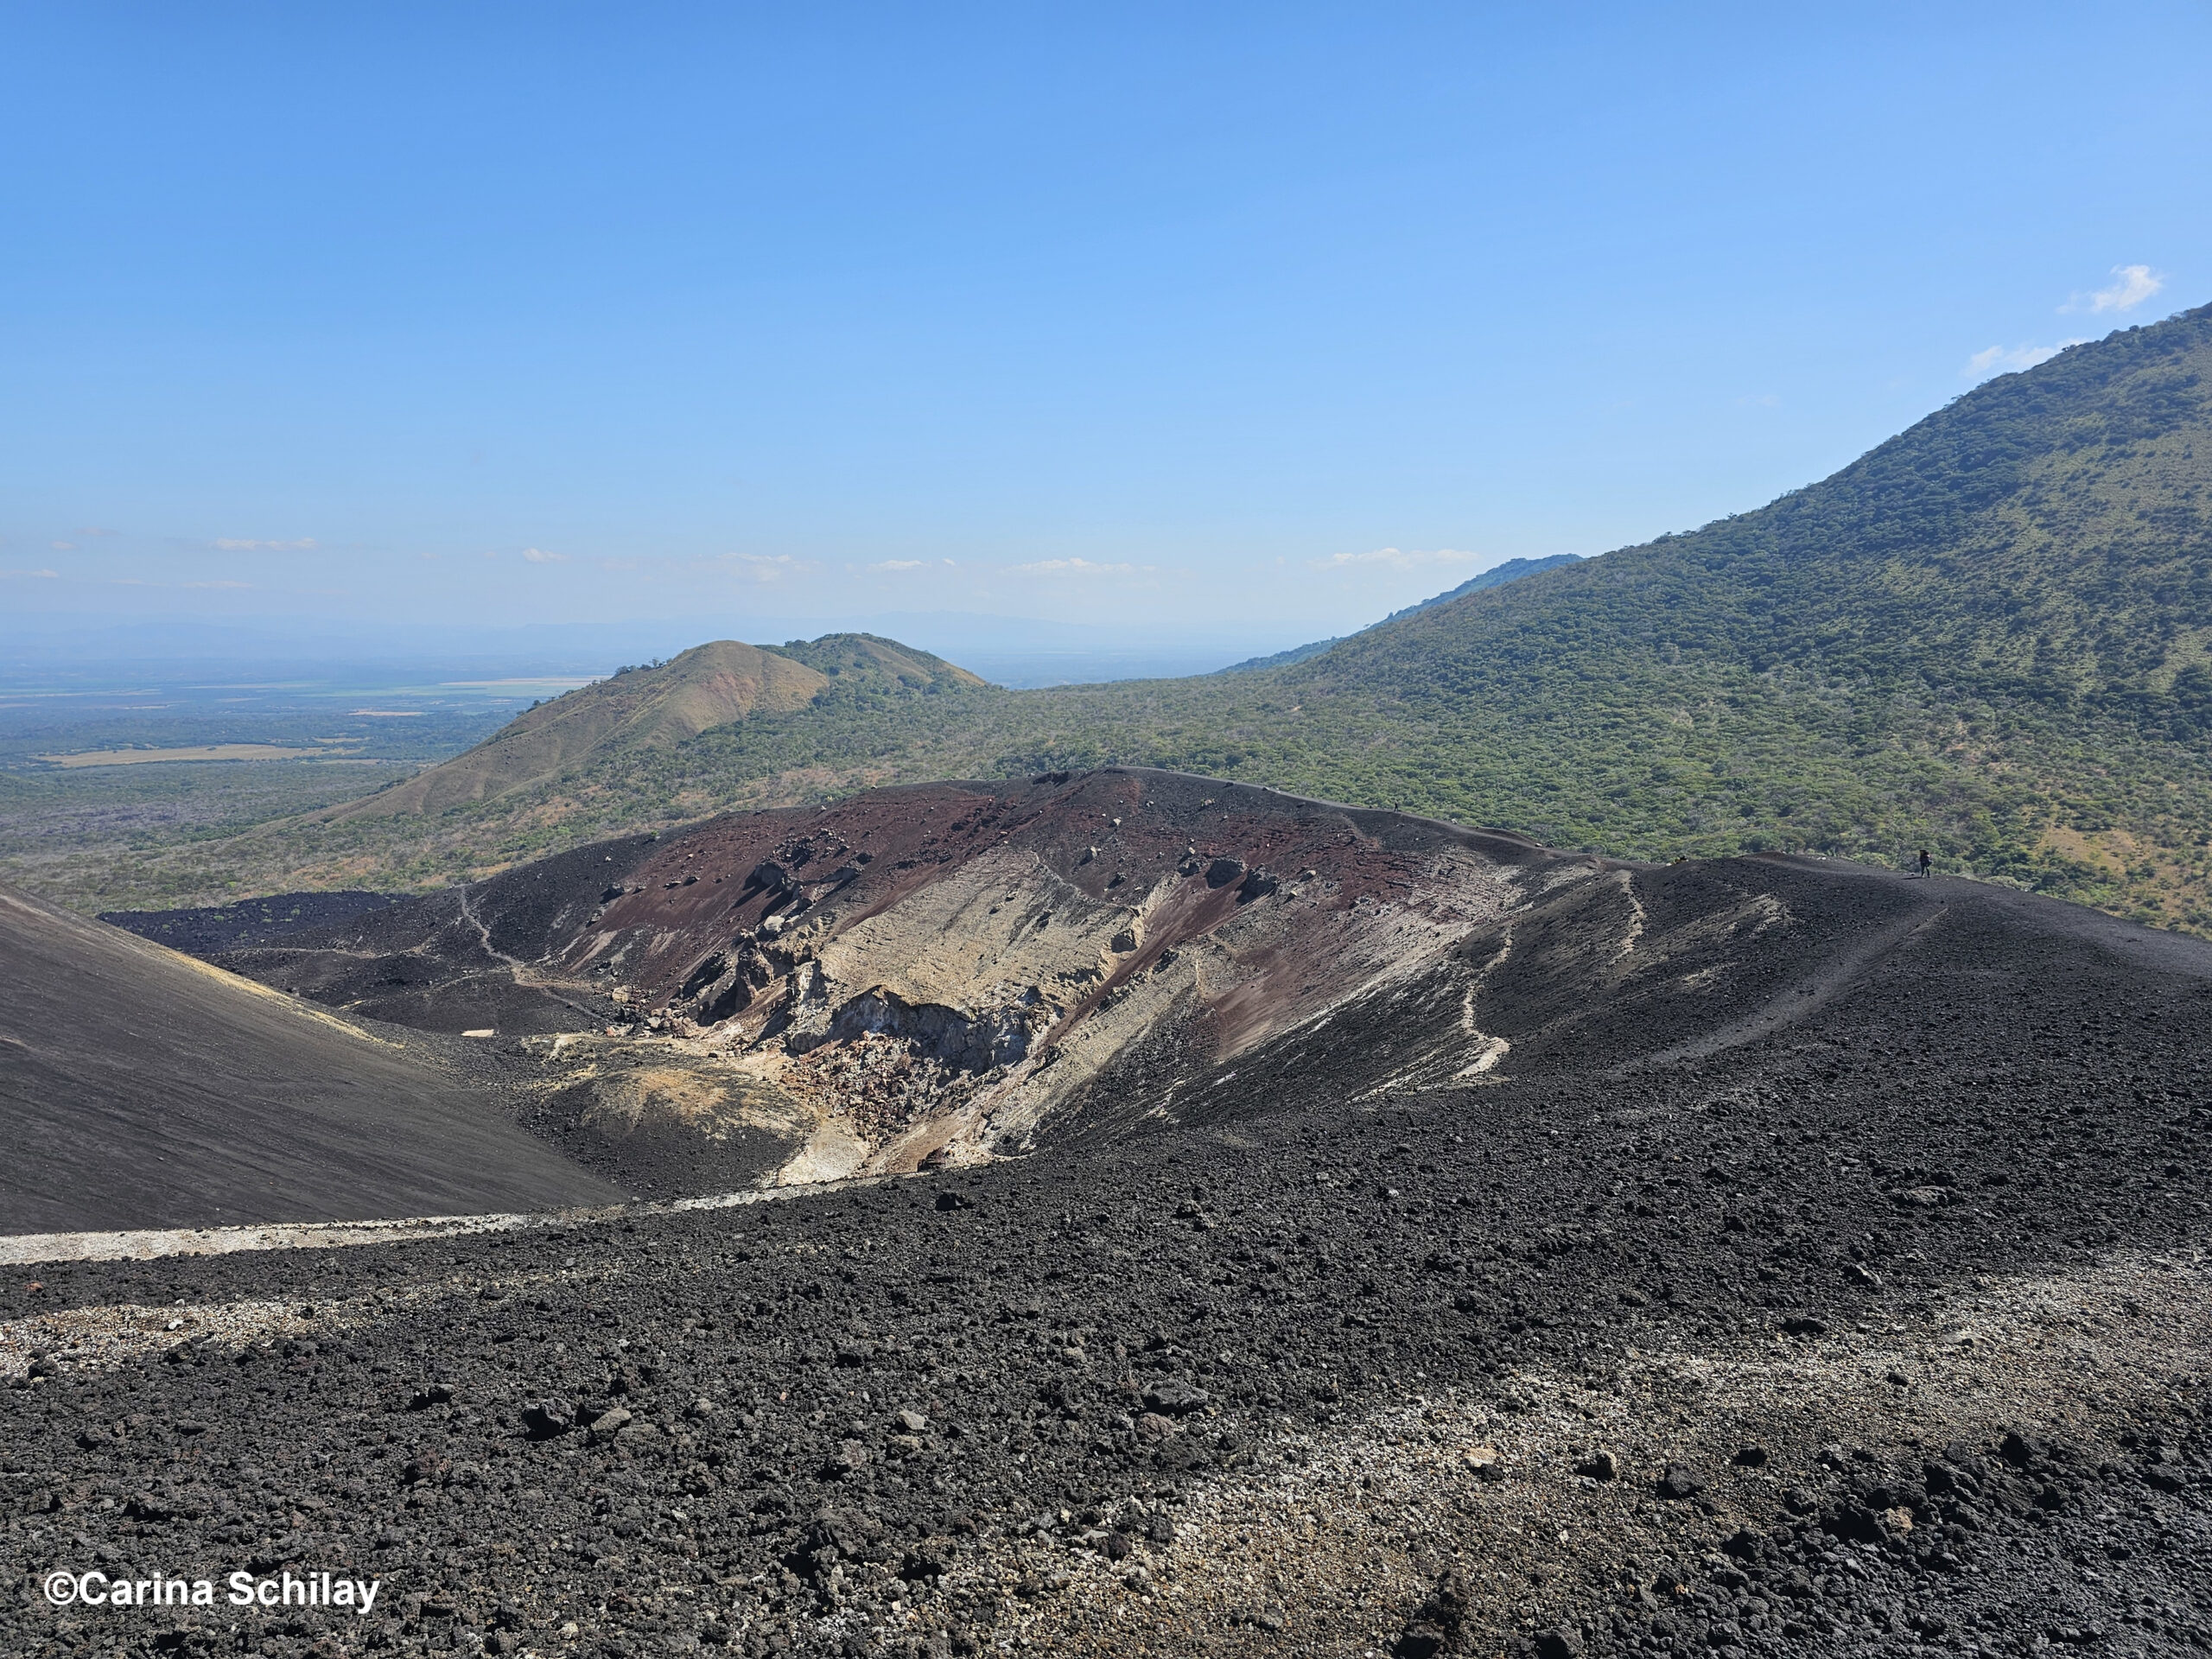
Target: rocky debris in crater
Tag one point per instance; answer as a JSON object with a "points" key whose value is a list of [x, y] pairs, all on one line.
{"points": [[880, 1084]]}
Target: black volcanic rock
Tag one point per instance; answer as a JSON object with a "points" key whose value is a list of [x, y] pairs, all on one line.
{"points": [[1414, 1296], [250, 921], [1175, 1397]]}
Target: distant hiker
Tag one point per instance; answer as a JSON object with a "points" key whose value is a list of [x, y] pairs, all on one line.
{"points": [[1924, 861]]}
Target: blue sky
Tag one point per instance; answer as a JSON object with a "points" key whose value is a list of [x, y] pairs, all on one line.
{"points": [[1267, 319]]}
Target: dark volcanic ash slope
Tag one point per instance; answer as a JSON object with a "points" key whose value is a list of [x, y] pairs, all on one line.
{"points": [[141, 1088], [1819, 1270], [209, 928]]}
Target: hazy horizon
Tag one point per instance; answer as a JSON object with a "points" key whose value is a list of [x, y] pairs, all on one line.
{"points": [[1013, 651]]}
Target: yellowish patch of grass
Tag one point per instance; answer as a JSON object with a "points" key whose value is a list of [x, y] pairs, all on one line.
{"points": [[205, 752]]}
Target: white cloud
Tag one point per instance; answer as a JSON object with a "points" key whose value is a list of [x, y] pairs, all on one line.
{"points": [[1078, 568], [2011, 360], [63, 547], [1395, 558], [30, 575], [900, 564], [539, 556], [229, 545], [761, 567], [2130, 287], [219, 584]]}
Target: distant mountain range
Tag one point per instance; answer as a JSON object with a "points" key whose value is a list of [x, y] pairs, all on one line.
{"points": [[1496, 576], [1990, 636]]}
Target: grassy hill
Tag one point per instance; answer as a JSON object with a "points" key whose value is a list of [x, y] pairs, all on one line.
{"points": [[1991, 636], [654, 707]]}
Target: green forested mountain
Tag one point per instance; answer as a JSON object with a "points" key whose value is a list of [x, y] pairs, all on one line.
{"points": [[1496, 576], [1988, 636]]}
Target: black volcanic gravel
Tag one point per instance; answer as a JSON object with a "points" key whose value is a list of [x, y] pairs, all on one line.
{"points": [[1157, 1310], [250, 921]]}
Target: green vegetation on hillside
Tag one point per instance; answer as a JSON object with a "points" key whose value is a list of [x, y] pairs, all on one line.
{"points": [[1496, 576], [1991, 636], [654, 707]]}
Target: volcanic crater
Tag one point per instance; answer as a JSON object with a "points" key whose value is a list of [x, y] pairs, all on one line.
{"points": [[934, 975]]}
